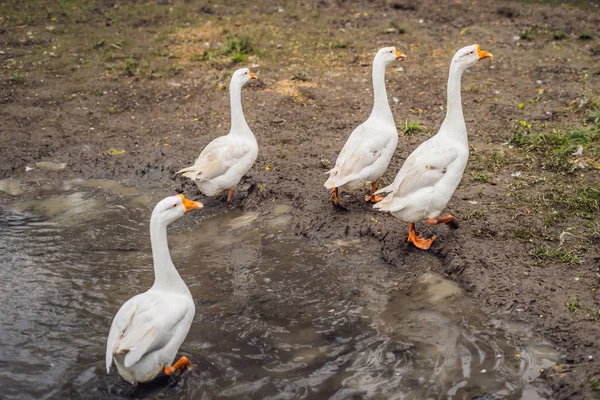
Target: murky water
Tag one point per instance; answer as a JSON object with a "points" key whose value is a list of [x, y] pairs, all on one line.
{"points": [[276, 317]]}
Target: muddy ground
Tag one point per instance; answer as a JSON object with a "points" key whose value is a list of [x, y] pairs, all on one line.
{"points": [[132, 91]]}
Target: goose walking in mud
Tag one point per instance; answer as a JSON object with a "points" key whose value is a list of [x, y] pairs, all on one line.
{"points": [[225, 160], [432, 172], [369, 149], [149, 328]]}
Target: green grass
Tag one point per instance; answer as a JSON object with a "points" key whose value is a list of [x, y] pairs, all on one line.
{"points": [[559, 35], [17, 78], [558, 151], [175, 70], [593, 117], [238, 47], [583, 201], [595, 231], [596, 385], [301, 76], [525, 234], [573, 305], [411, 127], [480, 177], [543, 252], [129, 66], [98, 44]]}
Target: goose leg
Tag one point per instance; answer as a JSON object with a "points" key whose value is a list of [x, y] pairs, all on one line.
{"points": [[449, 220], [336, 200], [229, 196], [418, 240], [372, 198], [180, 365]]}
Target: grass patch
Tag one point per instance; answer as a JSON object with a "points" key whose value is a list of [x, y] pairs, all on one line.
{"points": [[17, 78], [133, 67], [595, 231], [98, 44], [543, 252], [175, 70], [129, 66], [301, 76], [559, 151], [238, 47], [573, 305], [583, 201], [480, 177], [525, 234], [411, 127]]}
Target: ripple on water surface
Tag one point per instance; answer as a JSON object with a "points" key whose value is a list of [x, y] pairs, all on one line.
{"points": [[277, 317]]}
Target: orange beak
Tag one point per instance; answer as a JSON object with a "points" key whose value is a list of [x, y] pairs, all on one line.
{"points": [[483, 54], [399, 55], [190, 204], [252, 76]]}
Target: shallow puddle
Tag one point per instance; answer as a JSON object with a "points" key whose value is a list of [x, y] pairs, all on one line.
{"points": [[277, 317], [11, 187]]}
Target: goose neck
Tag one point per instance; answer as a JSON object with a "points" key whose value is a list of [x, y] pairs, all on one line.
{"points": [[454, 121], [238, 121], [166, 276], [381, 106]]}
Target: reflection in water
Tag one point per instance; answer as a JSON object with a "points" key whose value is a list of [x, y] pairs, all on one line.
{"points": [[52, 166], [277, 317], [11, 187], [106, 184]]}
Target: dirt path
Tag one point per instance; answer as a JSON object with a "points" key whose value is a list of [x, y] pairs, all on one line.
{"points": [[133, 92]]}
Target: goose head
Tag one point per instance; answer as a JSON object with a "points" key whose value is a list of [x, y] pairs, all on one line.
{"points": [[388, 54], [242, 76], [172, 208], [469, 55]]}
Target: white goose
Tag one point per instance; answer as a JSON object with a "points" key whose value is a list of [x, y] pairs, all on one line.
{"points": [[225, 160], [430, 175], [149, 328], [369, 149]]}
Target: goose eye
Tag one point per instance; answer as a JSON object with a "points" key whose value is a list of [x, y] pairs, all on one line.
{"points": [[471, 52], [246, 73], [174, 205]]}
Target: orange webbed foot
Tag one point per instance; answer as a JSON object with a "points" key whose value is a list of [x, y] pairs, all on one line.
{"points": [[421, 242], [418, 240], [449, 220], [373, 199], [182, 364], [336, 200]]}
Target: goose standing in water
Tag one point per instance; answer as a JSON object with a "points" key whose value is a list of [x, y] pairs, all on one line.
{"points": [[226, 159], [431, 174], [369, 149], [149, 328]]}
